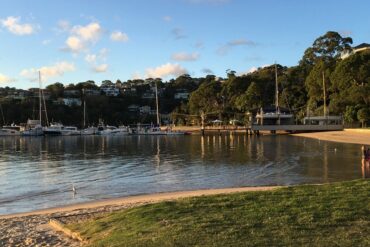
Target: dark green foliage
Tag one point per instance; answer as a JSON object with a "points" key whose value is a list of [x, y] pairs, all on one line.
{"points": [[335, 214]]}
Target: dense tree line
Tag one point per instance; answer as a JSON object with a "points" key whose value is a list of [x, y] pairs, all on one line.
{"points": [[301, 89]]}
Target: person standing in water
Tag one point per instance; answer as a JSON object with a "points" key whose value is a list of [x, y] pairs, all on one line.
{"points": [[365, 162]]}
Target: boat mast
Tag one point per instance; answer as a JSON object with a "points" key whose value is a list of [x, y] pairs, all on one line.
{"points": [[277, 95], [40, 100], [324, 89], [84, 123], [46, 112], [156, 100], [277, 89]]}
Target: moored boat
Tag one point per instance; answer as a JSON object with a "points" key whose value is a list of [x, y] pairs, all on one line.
{"points": [[10, 130]]}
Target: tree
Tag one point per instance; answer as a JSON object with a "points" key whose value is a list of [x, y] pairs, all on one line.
{"points": [[315, 85], [351, 82], [326, 48], [293, 94], [350, 114], [363, 115], [250, 99], [206, 98], [56, 90]]}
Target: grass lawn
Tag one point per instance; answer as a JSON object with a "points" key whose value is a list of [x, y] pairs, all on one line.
{"points": [[335, 214]]}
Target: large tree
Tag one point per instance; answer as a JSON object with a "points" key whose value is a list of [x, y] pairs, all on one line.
{"points": [[351, 82], [326, 47]]}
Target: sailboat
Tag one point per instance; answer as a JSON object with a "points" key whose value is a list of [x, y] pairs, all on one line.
{"points": [[336, 121], [34, 127], [274, 115], [156, 129], [278, 120]]}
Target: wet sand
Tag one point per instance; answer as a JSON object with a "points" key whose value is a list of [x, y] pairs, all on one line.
{"points": [[32, 228], [355, 136]]}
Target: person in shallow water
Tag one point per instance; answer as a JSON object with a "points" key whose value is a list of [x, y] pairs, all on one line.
{"points": [[365, 162]]}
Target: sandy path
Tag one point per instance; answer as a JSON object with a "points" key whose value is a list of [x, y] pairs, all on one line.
{"points": [[31, 228], [347, 136]]}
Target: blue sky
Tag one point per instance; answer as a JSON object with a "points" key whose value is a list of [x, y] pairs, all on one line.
{"points": [[79, 40]]}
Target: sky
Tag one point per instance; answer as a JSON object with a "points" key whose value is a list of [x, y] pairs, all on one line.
{"points": [[72, 41]]}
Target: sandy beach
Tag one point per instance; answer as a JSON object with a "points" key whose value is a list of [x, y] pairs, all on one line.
{"points": [[32, 228], [355, 136]]}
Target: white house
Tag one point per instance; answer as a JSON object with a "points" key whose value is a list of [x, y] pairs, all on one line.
{"points": [[72, 101], [359, 48], [110, 90]]}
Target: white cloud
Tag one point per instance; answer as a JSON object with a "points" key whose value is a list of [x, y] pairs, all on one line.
{"points": [[224, 49], [75, 44], [251, 70], [83, 36], [183, 56], [167, 18], [94, 59], [6, 79], [166, 70], [14, 26], [136, 76], [119, 36], [58, 69], [101, 68], [90, 32], [91, 58]]}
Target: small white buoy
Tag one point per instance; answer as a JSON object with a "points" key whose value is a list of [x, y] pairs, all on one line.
{"points": [[335, 149]]}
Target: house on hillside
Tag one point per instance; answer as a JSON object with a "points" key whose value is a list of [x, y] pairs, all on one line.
{"points": [[128, 91], [181, 94], [109, 90], [71, 93], [148, 95], [72, 101], [356, 49], [91, 92]]}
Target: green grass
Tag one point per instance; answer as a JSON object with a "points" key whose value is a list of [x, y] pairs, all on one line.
{"points": [[335, 214]]}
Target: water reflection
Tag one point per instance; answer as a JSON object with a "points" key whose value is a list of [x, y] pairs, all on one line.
{"points": [[39, 172]]}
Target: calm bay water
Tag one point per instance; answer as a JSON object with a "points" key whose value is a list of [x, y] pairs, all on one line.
{"points": [[38, 173]]}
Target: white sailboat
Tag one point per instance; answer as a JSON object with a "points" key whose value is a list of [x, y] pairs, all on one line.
{"points": [[156, 130], [34, 127]]}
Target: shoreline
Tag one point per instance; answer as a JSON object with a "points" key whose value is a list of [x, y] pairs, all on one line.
{"points": [[137, 199], [351, 136]]}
